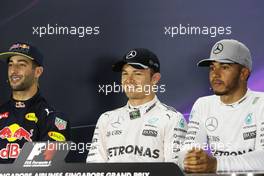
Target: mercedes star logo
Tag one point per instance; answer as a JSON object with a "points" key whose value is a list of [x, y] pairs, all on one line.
{"points": [[117, 122], [211, 124], [218, 48], [131, 54]]}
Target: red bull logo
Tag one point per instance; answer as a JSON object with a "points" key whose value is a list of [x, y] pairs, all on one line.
{"points": [[4, 115], [18, 45], [14, 132], [5, 133], [11, 151]]}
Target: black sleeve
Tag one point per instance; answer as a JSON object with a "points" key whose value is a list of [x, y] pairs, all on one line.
{"points": [[54, 127]]}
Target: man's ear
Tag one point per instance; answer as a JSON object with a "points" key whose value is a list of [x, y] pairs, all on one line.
{"points": [[38, 72], [156, 78], [244, 74]]}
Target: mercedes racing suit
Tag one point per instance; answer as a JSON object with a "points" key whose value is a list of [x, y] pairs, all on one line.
{"points": [[151, 132], [234, 132], [26, 121]]}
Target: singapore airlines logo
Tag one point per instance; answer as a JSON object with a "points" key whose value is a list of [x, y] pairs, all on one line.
{"points": [[218, 48], [211, 124], [131, 54]]}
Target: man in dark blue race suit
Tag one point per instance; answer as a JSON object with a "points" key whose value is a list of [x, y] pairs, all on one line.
{"points": [[27, 117]]}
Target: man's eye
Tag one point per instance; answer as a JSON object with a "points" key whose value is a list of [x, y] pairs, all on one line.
{"points": [[22, 65], [138, 73], [211, 68], [225, 67]]}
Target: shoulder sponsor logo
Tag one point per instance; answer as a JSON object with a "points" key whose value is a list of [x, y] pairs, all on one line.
{"points": [[4, 115], [211, 123], [31, 117], [194, 123], [182, 123], [113, 133], [60, 124], [248, 119], [191, 132], [180, 136], [147, 132], [56, 136], [179, 129], [249, 135], [189, 138]]}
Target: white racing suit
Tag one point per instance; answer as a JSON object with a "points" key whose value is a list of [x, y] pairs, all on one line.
{"points": [[234, 132], [151, 132]]}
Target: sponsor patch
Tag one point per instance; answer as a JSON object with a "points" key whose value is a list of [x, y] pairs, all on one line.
{"points": [[15, 132], [181, 123], [60, 124], [248, 119], [152, 133], [134, 114], [56, 136], [20, 104], [11, 150], [114, 133], [4, 115], [153, 120], [31, 117], [249, 135]]}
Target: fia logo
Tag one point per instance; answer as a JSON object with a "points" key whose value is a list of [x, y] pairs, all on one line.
{"points": [[38, 149]]}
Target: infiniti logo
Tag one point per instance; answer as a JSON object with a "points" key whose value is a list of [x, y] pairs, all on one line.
{"points": [[131, 54], [211, 124], [218, 48]]}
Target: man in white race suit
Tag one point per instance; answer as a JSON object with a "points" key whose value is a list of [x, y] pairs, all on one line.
{"points": [[144, 130], [231, 122]]}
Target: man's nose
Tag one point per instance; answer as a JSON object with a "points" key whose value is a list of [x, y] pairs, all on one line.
{"points": [[216, 73], [130, 79], [13, 69]]}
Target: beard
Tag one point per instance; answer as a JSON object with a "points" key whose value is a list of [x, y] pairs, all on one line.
{"points": [[23, 85], [228, 88]]}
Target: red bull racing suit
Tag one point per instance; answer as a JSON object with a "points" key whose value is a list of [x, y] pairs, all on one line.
{"points": [[151, 132], [27, 121]]}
